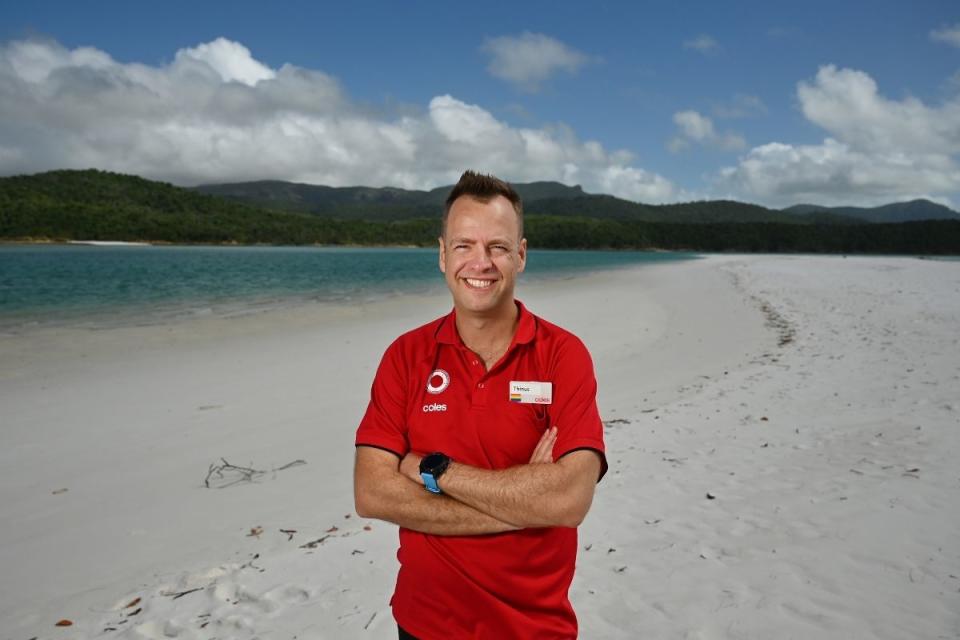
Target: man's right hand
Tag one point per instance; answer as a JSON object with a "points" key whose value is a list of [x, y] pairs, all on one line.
{"points": [[543, 452]]}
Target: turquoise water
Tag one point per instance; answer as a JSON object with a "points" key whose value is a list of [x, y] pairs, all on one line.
{"points": [[107, 286]]}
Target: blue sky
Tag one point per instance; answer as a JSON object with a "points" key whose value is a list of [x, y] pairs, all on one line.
{"points": [[826, 102]]}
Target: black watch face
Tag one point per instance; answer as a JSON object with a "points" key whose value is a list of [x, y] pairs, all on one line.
{"points": [[432, 462]]}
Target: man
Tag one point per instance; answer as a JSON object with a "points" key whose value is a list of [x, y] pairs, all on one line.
{"points": [[483, 442]]}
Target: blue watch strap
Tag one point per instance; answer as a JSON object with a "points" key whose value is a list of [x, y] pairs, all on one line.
{"points": [[430, 483]]}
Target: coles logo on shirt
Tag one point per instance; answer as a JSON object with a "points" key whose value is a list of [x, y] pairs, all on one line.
{"points": [[438, 381]]}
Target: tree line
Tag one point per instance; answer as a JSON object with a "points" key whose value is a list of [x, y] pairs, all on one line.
{"points": [[95, 205]]}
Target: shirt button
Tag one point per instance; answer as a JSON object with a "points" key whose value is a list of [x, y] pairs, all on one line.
{"points": [[480, 386], [476, 362]]}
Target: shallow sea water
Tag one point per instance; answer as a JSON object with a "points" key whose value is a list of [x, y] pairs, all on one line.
{"points": [[101, 286]]}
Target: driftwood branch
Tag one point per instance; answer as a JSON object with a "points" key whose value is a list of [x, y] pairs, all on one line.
{"points": [[226, 474], [313, 544], [295, 463]]}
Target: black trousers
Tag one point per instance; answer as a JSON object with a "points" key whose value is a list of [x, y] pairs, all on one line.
{"points": [[404, 635]]}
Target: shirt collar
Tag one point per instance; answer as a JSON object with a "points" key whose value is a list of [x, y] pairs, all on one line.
{"points": [[526, 327]]}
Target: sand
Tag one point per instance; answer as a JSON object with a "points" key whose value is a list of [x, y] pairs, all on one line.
{"points": [[782, 432]]}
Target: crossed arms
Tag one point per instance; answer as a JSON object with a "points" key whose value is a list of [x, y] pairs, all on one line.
{"points": [[541, 493]]}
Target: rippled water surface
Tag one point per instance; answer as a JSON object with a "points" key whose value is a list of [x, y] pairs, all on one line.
{"points": [[98, 286]]}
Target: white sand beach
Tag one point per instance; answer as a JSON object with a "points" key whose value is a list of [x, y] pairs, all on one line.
{"points": [[783, 435]]}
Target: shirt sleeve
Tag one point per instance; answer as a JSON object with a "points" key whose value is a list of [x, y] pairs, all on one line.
{"points": [[384, 424], [574, 408]]}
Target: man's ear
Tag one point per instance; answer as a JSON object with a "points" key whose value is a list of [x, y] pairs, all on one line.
{"points": [[522, 252], [443, 256]]}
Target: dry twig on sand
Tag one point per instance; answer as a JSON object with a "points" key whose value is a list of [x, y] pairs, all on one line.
{"points": [[227, 474]]}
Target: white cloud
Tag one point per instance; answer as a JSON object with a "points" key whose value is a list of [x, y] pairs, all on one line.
{"points": [[468, 132], [694, 126], [697, 128], [216, 114], [528, 60], [877, 149], [948, 35], [833, 173], [231, 60], [741, 106], [847, 104], [35, 60], [703, 43], [636, 184]]}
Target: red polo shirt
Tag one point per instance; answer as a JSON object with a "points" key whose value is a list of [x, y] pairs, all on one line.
{"points": [[431, 393]]}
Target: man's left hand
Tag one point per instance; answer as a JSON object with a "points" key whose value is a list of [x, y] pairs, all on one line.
{"points": [[410, 467]]}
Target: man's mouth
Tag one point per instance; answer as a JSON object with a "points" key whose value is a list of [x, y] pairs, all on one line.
{"points": [[478, 284]]}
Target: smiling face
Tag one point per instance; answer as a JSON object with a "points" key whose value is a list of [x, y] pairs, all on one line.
{"points": [[481, 254]]}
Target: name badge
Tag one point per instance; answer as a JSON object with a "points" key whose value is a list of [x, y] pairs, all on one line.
{"points": [[531, 392]]}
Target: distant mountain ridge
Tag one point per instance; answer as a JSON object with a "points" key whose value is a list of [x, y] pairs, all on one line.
{"points": [[911, 211], [103, 206], [555, 199], [376, 203]]}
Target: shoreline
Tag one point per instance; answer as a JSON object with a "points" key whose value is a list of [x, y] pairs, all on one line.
{"points": [[110, 434], [431, 245], [149, 304], [164, 312]]}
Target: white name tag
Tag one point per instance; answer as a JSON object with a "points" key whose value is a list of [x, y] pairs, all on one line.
{"points": [[531, 392]]}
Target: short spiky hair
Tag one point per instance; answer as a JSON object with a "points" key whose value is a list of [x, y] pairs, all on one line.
{"points": [[483, 188]]}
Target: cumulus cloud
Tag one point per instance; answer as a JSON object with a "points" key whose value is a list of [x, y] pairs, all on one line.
{"points": [[947, 35], [528, 60], [696, 128], [703, 43], [741, 106], [877, 149], [847, 103], [231, 60], [835, 173], [216, 114]]}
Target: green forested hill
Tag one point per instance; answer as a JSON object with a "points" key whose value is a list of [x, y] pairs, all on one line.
{"points": [[701, 212], [344, 202], [543, 198], [555, 199], [897, 212], [97, 205], [365, 203]]}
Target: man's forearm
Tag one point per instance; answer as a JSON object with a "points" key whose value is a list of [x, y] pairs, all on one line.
{"points": [[385, 494], [413, 507], [530, 495]]}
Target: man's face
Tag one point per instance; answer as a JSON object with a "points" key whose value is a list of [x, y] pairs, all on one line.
{"points": [[481, 254]]}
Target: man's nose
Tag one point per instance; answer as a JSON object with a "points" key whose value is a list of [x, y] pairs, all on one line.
{"points": [[481, 259]]}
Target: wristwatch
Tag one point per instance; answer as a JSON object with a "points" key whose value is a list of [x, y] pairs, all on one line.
{"points": [[431, 468]]}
